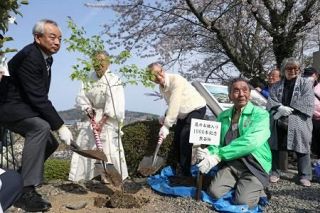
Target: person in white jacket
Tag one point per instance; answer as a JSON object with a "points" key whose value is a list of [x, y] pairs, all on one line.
{"points": [[3, 66], [104, 98], [184, 103]]}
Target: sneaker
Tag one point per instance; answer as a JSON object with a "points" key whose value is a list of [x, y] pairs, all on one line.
{"points": [[273, 179], [31, 201], [305, 182]]}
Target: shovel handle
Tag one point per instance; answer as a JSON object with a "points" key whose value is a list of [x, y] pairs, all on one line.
{"points": [[199, 186], [199, 181], [154, 159], [95, 132], [96, 137], [160, 140]]}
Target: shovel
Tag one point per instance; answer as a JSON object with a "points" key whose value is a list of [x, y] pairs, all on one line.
{"points": [[151, 164], [199, 180], [112, 173]]}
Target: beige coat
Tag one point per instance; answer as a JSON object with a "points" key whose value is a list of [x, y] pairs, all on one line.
{"points": [[181, 97]]}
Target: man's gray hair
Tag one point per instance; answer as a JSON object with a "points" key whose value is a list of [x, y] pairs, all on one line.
{"points": [[291, 61], [38, 28], [235, 80], [154, 64], [98, 52]]}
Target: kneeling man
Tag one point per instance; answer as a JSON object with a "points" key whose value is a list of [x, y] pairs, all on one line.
{"points": [[244, 153]]}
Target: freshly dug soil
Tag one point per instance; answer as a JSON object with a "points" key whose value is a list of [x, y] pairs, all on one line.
{"points": [[121, 199], [147, 171]]}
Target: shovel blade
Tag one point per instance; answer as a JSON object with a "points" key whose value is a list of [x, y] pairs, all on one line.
{"points": [[148, 167], [94, 154], [112, 173]]}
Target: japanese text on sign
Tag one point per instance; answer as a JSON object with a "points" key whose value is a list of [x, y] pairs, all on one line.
{"points": [[205, 132]]}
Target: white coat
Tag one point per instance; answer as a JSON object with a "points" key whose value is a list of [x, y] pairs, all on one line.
{"points": [[106, 96]]}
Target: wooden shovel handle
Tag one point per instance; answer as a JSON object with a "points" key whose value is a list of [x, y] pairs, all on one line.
{"points": [[199, 181], [94, 130], [199, 186]]}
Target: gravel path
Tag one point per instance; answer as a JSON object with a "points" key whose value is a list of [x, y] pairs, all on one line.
{"points": [[286, 197]]}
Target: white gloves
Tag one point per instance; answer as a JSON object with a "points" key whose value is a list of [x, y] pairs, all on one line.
{"points": [[208, 163], [164, 132], [201, 153], [65, 134], [285, 110]]}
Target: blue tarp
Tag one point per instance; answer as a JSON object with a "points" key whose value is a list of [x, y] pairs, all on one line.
{"points": [[160, 183], [317, 170]]}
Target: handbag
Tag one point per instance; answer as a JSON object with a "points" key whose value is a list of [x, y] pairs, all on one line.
{"points": [[283, 122]]}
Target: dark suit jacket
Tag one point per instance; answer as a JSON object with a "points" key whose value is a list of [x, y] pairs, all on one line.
{"points": [[26, 90]]}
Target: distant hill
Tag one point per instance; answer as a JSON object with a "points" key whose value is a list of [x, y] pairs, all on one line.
{"points": [[72, 115]]}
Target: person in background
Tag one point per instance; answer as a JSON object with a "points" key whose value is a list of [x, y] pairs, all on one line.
{"points": [[184, 103], [273, 77], [3, 67], [291, 105], [244, 154], [26, 109], [3, 62], [3, 72], [313, 74], [104, 99], [11, 185]]}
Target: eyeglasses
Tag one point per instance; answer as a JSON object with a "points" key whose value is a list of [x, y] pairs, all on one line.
{"points": [[292, 68]]}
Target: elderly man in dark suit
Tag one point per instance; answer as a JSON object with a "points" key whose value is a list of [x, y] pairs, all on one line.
{"points": [[26, 109]]}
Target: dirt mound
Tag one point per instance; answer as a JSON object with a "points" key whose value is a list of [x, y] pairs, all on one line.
{"points": [[120, 199]]}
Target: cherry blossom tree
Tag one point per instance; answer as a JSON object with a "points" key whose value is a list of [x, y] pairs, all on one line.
{"points": [[210, 39], [8, 8]]}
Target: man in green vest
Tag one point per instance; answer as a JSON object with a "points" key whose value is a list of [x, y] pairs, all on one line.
{"points": [[244, 154]]}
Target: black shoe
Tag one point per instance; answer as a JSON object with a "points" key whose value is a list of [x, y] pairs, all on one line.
{"points": [[33, 202], [44, 200]]}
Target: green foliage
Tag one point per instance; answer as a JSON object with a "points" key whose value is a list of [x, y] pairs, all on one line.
{"points": [[88, 46], [7, 7], [140, 139], [56, 169]]}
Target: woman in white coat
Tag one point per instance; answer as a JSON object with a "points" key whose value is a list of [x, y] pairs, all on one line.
{"points": [[104, 97]]}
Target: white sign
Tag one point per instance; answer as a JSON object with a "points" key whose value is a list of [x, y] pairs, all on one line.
{"points": [[205, 132]]}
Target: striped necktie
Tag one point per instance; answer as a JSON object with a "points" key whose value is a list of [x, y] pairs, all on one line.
{"points": [[49, 61]]}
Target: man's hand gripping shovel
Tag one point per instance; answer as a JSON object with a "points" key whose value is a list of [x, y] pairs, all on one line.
{"points": [[112, 173]]}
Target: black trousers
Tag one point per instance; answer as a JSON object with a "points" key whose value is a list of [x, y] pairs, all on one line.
{"points": [[11, 188], [38, 146], [315, 145], [181, 139]]}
